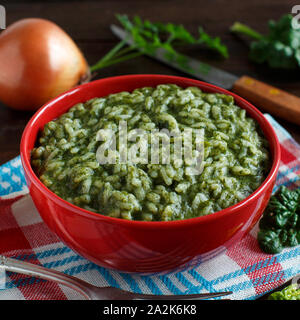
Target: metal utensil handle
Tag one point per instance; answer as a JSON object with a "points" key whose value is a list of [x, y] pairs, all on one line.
{"points": [[88, 291], [33, 270]]}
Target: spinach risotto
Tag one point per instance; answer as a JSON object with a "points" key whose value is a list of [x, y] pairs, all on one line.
{"points": [[235, 158]]}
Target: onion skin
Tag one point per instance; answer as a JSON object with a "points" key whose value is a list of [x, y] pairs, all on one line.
{"points": [[38, 61]]}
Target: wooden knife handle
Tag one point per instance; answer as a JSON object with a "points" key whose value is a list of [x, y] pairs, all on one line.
{"points": [[267, 98]]}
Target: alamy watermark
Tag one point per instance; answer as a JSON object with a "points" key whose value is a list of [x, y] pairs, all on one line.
{"points": [[163, 146], [296, 18], [2, 17]]}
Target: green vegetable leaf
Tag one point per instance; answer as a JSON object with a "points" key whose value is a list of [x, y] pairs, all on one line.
{"points": [[280, 48], [149, 36], [289, 198], [269, 241], [280, 223], [213, 43], [291, 292]]}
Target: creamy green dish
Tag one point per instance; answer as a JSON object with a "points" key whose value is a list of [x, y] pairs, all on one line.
{"points": [[235, 156]]}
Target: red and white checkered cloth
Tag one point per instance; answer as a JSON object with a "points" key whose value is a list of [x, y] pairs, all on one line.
{"points": [[243, 269]]}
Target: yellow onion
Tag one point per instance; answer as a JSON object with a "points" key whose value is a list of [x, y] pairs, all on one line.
{"points": [[38, 61]]}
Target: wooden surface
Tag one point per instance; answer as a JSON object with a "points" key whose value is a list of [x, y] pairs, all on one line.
{"points": [[88, 24]]}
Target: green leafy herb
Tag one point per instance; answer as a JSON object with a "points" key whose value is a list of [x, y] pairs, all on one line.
{"points": [[280, 48], [291, 292], [148, 37], [280, 224], [212, 43]]}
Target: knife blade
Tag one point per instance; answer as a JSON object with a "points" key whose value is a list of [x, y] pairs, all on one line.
{"points": [[271, 99]]}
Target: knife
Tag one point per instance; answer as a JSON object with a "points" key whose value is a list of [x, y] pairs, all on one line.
{"points": [[273, 100]]}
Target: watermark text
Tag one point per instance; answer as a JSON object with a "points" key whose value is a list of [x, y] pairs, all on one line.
{"points": [[2, 17]]}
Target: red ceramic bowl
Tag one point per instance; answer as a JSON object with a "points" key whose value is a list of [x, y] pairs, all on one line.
{"points": [[138, 246]]}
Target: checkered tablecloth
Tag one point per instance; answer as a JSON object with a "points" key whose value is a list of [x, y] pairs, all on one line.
{"points": [[243, 269]]}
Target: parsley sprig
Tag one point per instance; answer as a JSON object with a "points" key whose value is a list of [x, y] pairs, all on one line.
{"points": [[279, 48], [148, 37]]}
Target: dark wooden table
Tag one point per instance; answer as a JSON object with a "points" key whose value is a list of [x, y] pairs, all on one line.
{"points": [[88, 24]]}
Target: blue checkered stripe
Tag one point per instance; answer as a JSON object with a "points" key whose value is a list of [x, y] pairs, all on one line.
{"points": [[189, 281], [12, 178]]}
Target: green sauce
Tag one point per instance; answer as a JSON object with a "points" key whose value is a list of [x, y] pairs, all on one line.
{"points": [[235, 156]]}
